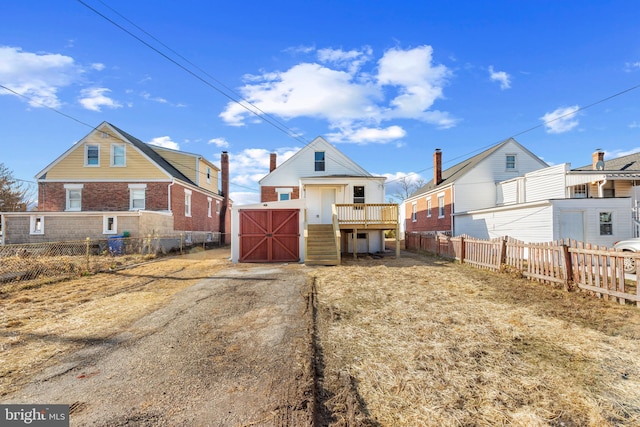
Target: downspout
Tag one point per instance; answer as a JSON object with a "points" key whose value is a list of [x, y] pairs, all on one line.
{"points": [[169, 195], [601, 188]]}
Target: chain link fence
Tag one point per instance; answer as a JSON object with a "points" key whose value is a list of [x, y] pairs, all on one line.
{"points": [[52, 261]]}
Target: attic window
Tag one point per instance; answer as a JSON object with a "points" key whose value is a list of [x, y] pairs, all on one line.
{"points": [[510, 162], [92, 155], [118, 157], [319, 161]]}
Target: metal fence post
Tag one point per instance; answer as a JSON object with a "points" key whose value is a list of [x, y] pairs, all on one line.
{"points": [[88, 252]]}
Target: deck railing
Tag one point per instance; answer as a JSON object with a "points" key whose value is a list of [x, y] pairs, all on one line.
{"points": [[368, 214]]}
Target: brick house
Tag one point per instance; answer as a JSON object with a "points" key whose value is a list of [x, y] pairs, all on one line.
{"points": [[468, 185], [110, 182]]}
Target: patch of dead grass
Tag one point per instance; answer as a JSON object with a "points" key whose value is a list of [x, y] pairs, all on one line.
{"points": [[426, 342], [41, 322]]}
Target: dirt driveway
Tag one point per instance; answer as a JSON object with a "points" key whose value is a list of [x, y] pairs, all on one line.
{"points": [[231, 350]]}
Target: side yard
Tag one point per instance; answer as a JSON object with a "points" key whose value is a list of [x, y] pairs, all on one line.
{"points": [[423, 341]]}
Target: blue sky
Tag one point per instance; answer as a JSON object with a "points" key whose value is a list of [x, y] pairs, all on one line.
{"points": [[386, 82]]}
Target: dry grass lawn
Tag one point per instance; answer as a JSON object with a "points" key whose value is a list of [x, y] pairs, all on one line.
{"points": [[40, 321], [421, 341]]}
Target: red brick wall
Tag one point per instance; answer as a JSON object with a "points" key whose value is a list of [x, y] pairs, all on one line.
{"points": [[199, 219], [114, 196], [269, 194], [432, 223], [101, 196]]}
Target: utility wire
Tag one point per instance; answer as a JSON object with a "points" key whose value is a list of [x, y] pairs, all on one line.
{"points": [[241, 101], [526, 130]]}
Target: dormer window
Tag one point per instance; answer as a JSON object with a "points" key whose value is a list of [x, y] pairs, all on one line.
{"points": [[319, 161]]}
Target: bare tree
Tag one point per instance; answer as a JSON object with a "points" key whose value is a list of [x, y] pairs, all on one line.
{"points": [[407, 186], [13, 192]]}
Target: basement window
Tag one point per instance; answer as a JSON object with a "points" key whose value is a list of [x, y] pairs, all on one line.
{"points": [[36, 225], [109, 224]]}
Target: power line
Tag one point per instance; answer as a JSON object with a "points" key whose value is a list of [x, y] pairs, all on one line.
{"points": [[244, 103], [528, 130]]}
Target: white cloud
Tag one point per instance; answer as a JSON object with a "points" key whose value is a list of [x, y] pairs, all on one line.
{"points": [[98, 66], [620, 153], [148, 97], [561, 120], [36, 76], [94, 98], [366, 135], [394, 184], [631, 66], [165, 142], [500, 76], [244, 197], [353, 100], [219, 142], [634, 125]]}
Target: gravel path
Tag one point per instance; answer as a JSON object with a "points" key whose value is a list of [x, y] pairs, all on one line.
{"points": [[233, 350]]}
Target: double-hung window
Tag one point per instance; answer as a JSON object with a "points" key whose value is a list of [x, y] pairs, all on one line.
{"points": [[118, 155], [510, 162], [358, 194], [74, 197], [92, 155], [137, 197], [187, 202], [441, 206], [429, 207], [606, 223], [209, 206], [319, 161], [414, 212]]}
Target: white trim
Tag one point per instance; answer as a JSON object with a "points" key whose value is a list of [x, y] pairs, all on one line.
{"points": [[105, 224], [132, 189], [36, 224], [68, 189], [124, 154], [187, 202], [209, 203], [86, 154]]}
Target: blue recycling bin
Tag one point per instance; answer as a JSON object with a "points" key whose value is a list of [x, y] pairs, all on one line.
{"points": [[116, 245]]}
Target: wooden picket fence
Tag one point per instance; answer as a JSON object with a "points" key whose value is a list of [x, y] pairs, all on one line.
{"points": [[567, 263]]}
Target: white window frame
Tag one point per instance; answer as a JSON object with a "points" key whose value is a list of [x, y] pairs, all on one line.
{"points": [[209, 203], [208, 175], [217, 207], [319, 165], [507, 162], [608, 223], [105, 224], [86, 155], [414, 212], [113, 155], [71, 189], [187, 202], [429, 207], [36, 224], [441, 204], [134, 189], [284, 192], [580, 191]]}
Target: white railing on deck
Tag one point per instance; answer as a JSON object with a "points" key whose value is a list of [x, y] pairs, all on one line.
{"points": [[367, 213]]}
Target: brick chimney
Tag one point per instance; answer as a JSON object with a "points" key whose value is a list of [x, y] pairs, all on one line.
{"points": [[437, 166], [597, 156], [224, 184], [272, 162]]}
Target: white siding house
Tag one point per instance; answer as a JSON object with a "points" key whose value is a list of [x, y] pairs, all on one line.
{"points": [[557, 203], [332, 193]]}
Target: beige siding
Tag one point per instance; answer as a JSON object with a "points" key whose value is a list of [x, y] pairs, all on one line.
{"points": [[138, 166], [185, 163], [213, 184]]}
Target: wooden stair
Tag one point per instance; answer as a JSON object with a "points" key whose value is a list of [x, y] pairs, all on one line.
{"points": [[321, 245]]}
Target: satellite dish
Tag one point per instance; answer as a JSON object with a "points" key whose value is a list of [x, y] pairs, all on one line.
{"points": [[600, 165]]}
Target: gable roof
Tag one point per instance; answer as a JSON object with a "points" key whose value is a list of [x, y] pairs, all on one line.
{"points": [[152, 154], [450, 175], [146, 149], [628, 163], [319, 143]]}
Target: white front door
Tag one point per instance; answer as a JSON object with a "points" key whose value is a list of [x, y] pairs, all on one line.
{"points": [[327, 199]]}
